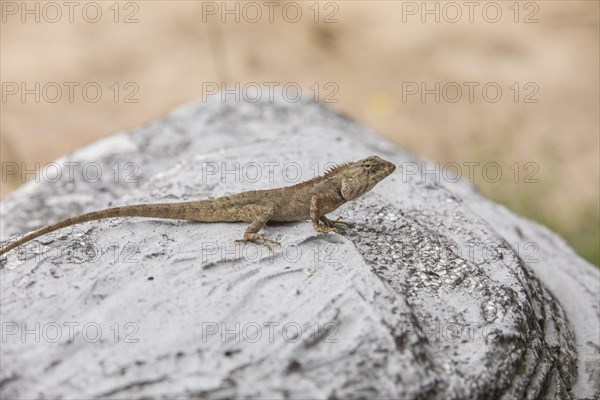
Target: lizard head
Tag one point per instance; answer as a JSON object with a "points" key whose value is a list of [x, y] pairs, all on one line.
{"points": [[361, 176]]}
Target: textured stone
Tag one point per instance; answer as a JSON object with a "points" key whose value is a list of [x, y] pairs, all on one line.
{"points": [[403, 304]]}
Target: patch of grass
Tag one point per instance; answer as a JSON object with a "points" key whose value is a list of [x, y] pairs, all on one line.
{"points": [[579, 225]]}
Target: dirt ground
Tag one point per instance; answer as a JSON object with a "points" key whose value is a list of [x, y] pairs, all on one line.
{"points": [[511, 86]]}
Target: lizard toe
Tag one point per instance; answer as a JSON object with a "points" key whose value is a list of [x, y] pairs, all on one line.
{"points": [[258, 238], [325, 229]]}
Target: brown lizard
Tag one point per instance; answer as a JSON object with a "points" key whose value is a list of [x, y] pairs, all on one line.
{"points": [[311, 199]]}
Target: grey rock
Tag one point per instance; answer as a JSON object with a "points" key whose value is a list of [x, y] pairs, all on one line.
{"points": [[428, 294]]}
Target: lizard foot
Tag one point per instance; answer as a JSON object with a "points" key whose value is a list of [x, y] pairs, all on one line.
{"points": [[333, 223], [325, 229], [258, 238]]}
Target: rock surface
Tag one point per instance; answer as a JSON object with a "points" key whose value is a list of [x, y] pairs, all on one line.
{"points": [[432, 292]]}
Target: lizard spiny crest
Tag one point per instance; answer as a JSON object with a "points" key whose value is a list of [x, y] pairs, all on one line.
{"points": [[336, 168]]}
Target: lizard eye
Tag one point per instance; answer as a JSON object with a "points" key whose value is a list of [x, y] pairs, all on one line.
{"points": [[367, 165]]}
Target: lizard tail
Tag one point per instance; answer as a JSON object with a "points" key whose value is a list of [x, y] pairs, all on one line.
{"points": [[166, 210]]}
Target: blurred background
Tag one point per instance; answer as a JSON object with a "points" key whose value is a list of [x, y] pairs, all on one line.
{"points": [[509, 84]]}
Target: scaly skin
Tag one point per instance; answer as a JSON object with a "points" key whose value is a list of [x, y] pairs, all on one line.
{"points": [[307, 200]]}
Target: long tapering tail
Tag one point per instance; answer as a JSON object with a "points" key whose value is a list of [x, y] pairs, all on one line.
{"points": [[187, 210]]}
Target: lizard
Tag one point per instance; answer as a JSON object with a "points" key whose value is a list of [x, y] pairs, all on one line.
{"points": [[311, 199]]}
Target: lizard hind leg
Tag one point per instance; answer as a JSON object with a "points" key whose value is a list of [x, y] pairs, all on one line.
{"points": [[261, 216]]}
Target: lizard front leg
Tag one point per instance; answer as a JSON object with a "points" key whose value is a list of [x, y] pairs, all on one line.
{"points": [[260, 216], [316, 205]]}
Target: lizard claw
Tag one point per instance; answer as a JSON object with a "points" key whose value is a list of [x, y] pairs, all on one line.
{"points": [[333, 223]]}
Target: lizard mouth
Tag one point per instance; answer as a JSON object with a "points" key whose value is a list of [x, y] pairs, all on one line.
{"points": [[384, 170], [388, 168]]}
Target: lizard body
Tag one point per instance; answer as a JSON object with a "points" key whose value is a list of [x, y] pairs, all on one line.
{"points": [[311, 199]]}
